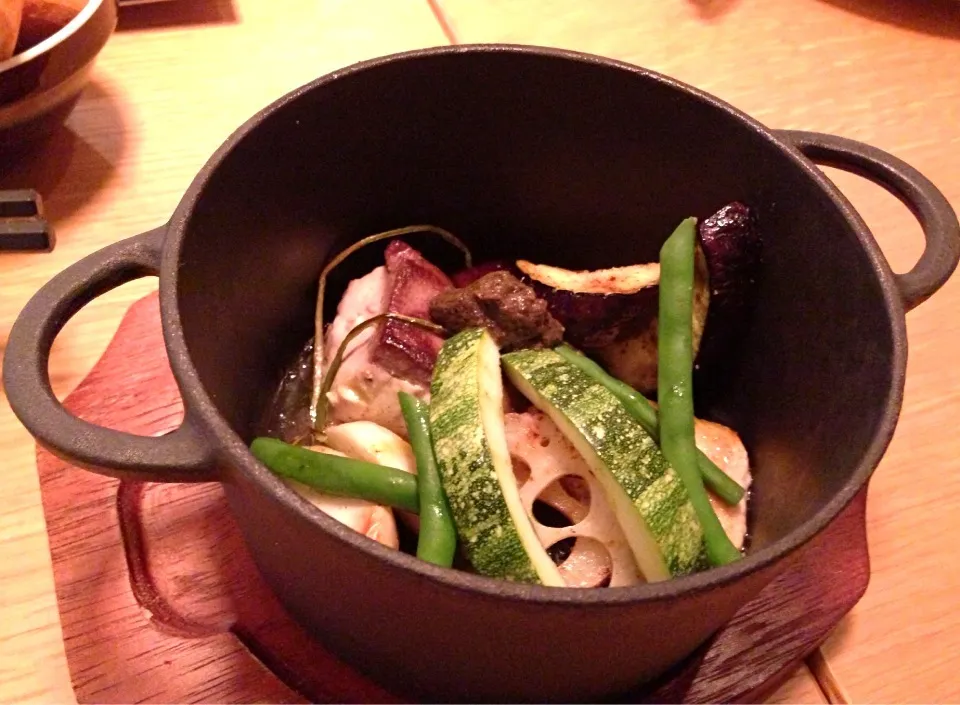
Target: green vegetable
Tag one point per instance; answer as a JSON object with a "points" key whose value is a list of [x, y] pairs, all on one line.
{"points": [[646, 415], [336, 475], [675, 383], [470, 445], [437, 541], [647, 497]]}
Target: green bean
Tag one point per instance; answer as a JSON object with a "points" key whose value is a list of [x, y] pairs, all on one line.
{"points": [[336, 475], [644, 413], [437, 542], [675, 383]]}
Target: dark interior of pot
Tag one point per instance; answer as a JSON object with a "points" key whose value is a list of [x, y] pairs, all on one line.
{"points": [[568, 162]]}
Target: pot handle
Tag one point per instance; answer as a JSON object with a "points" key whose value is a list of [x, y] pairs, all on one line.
{"points": [[917, 192], [180, 456]]}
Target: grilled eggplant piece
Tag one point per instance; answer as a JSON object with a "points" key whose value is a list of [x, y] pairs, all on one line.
{"points": [[604, 311], [633, 358], [600, 306]]}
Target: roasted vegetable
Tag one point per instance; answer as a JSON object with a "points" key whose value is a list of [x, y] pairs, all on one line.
{"points": [[675, 384], [646, 415], [505, 306], [369, 441], [613, 312], [466, 424], [366, 440], [404, 350], [633, 359], [552, 473], [318, 322], [375, 521], [605, 282], [728, 261], [596, 307], [437, 542], [732, 244], [336, 475], [646, 495], [725, 448], [594, 486]]}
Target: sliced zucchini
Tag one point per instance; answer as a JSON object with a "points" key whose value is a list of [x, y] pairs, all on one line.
{"points": [[466, 421], [650, 502]]}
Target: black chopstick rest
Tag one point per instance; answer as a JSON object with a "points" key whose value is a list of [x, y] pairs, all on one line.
{"points": [[23, 227]]}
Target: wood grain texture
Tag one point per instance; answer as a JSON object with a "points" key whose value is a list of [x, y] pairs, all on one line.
{"points": [[174, 81], [161, 602], [159, 599], [799, 688], [885, 72]]}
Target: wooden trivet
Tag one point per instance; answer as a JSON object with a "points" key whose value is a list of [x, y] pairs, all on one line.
{"points": [[160, 601]]}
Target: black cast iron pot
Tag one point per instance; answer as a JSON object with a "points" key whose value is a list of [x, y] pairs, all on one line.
{"points": [[559, 157]]}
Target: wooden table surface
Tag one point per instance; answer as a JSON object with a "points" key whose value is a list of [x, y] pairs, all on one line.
{"points": [[177, 78]]}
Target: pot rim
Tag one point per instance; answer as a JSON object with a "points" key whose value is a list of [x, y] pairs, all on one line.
{"points": [[232, 448]]}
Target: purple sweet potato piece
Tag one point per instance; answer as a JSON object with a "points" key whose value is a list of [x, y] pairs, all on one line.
{"points": [[404, 350], [732, 245]]}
